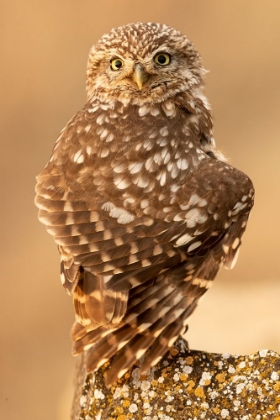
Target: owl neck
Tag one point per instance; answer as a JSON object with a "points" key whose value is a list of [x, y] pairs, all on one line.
{"points": [[193, 101], [190, 107]]}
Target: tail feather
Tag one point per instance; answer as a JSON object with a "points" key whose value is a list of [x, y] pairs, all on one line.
{"points": [[150, 323], [166, 339], [83, 339], [128, 355], [162, 344]]}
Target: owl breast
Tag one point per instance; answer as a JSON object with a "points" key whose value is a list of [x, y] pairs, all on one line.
{"points": [[131, 155]]}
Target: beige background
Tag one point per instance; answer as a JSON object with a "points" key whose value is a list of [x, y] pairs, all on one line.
{"points": [[44, 47]]}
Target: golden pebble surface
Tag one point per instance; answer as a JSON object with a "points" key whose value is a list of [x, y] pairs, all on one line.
{"points": [[189, 386]]}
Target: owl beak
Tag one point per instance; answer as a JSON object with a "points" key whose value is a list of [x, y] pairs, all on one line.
{"points": [[140, 76]]}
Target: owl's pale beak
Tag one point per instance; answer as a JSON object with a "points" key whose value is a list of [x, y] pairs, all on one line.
{"points": [[140, 77]]}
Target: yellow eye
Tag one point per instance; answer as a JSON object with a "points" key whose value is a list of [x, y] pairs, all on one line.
{"points": [[163, 59], [116, 64]]}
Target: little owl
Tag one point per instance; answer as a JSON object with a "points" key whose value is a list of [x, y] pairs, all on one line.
{"points": [[143, 207]]}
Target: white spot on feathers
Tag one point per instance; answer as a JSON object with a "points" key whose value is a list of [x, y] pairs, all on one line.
{"points": [[232, 263], [174, 172], [150, 165], [178, 218], [164, 131], [169, 109], [108, 206], [184, 206], [100, 119], [193, 214], [183, 240], [202, 202], [238, 204], [202, 283], [134, 168], [110, 137], [88, 150], [78, 157], [144, 204], [121, 184], [122, 216], [235, 243], [174, 188], [162, 179], [104, 134], [194, 200], [143, 110], [182, 164], [158, 158], [104, 152], [194, 246], [238, 207], [226, 249], [141, 182], [154, 111], [202, 219], [68, 206], [93, 109], [87, 128], [147, 144], [62, 278], [120, 168]]}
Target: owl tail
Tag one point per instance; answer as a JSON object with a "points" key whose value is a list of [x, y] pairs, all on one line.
{"points": [[155, 318]]}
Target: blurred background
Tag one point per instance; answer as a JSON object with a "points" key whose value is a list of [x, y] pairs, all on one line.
{"points": [[44, 49]]}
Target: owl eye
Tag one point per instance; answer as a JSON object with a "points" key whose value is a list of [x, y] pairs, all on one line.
{"points": [[163, 59], [116, 64]]}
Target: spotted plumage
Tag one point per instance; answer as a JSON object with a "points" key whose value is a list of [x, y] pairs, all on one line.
{"points": [[143, 207]]}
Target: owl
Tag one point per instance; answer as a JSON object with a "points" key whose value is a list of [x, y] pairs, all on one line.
{"points": [[143, 207]]}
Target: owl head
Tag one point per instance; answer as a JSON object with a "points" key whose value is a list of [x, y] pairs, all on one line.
{"points": [[148, 62]]}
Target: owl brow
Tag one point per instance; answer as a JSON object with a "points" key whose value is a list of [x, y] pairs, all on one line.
{"points": [[115, 55], [162, 51]]}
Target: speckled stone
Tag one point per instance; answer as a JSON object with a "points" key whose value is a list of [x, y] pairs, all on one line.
{"points": [[189, 385]]}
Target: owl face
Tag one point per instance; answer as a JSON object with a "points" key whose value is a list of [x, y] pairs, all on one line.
{"points": [[143, 62]]}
